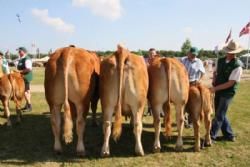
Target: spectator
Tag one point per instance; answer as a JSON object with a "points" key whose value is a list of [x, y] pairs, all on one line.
{"points": [[4, 64], [25, 67], [152, 53]]}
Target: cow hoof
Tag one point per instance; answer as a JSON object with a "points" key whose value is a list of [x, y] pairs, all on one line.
{"points": [[178, 148], [207, 144], [81, 153], [156, 149], [196, 149], [139, 153], [58, 152], [8, 124], [105, 154]]}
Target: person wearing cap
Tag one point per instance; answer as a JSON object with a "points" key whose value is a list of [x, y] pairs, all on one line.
{"points": [[196, 71], [25, 67], [194, 66], [225, 81], [4, 64]]}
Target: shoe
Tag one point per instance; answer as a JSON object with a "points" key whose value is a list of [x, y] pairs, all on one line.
{"points": [[27, 108], [188, 126], [232, 139]]}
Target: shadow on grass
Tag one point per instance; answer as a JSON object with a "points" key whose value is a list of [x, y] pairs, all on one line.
{"points": [[32, 142]]}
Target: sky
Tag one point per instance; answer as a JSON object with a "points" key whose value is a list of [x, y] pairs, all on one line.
{"points": [[137, 24]]}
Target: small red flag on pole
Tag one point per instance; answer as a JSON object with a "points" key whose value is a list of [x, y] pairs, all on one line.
{"points": [[229, 36], [245, 30]]}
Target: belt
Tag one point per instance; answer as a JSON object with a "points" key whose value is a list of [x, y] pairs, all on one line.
{"points": [[193, 83]]}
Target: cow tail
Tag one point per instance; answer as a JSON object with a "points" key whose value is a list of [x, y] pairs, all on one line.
{"points": [[68, 123], [167, 118], [117, 127], [203, 102]]}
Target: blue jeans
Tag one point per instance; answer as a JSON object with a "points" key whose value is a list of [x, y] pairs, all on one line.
{"points": [[220, 120]]}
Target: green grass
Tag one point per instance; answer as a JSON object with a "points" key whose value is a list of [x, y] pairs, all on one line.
{"points": [[38, 75], [31, 142]]}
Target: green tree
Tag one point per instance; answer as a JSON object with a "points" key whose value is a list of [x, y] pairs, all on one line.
{"points": [[186, 46]]}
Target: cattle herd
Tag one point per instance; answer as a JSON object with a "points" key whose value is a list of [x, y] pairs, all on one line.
{"points": [[75, 79]]}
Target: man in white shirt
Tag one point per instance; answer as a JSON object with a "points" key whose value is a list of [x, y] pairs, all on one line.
{"points": [[25, 67]]}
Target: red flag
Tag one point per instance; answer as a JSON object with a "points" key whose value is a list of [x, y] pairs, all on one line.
{"points": [[245, 29], [229, 36]]}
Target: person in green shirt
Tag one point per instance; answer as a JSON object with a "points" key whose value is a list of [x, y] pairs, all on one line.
{"points": [[24, 66], [225, 81]]}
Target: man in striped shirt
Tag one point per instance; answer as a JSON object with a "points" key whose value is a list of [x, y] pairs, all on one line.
{"points": [[195, 71]]}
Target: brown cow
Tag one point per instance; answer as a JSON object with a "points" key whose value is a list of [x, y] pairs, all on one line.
{"points": [[12, 87], [70, 78], [200, 106], [123, 90], [168, 82]]}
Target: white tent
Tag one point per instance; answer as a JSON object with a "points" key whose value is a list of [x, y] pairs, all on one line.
{"points": [[246, 60]]}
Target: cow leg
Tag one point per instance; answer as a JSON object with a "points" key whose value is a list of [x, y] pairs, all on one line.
{"points": [[80, 128], [137, 117], [18, 111], [180, 122], [56, 126], [107, 122], [157, 125], [208, 124], [6, 111], [196, 124]]}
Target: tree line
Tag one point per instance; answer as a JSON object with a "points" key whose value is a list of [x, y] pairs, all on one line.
{"points": [[203, 54]]}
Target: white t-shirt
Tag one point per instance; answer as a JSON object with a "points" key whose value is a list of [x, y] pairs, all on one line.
{"points": [[236, 74]]}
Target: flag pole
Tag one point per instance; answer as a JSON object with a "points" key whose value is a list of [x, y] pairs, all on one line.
{"points": [[248, 51]]}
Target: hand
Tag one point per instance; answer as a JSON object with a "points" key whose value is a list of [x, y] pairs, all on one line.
{"points": [[17, 71], [212, 89]]}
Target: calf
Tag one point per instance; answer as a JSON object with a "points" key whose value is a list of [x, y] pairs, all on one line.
{"points": [[200, 106], [12, 87]]}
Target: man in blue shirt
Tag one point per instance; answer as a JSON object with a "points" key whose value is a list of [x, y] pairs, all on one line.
{"points": [[195, 71]]}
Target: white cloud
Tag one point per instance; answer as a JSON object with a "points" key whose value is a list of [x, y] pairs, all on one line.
{"points": [[55, 22], [110, 9]]}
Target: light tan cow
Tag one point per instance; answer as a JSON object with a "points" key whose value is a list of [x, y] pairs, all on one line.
{"points": [[12, 87], [168, 82], [200, 107], [70, 78], [123, 90]]}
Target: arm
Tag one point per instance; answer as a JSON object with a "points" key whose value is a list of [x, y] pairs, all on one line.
{"points": [[223, 86], [233, 78], [28, 67], [214, 77]]}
